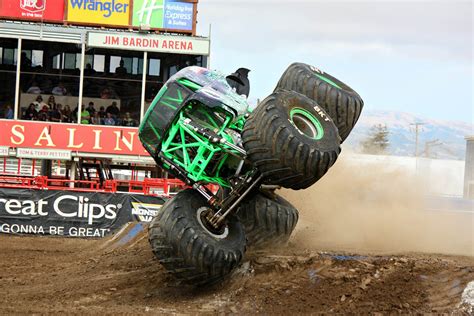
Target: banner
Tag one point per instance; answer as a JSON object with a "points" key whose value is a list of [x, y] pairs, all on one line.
{"points": [[152, 43], [102, 12], [167, 14], [4, 150], [51, 154], [52, 139], [47, 10], [72, 214]]}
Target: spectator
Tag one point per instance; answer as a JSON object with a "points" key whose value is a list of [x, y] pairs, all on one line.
{"points": [[8, 112], [121, 70], [43, 114], [105, 93], [34, 89], [113, 109], [75, 114], [91, 109], [85, 117], [59, 89], [39, 104], [25, 61], [109, 120], [95, 119], [127, 120], [31, 113], [51, 101], [89, 70], [56, 115], [102, 113], [67, 114]]}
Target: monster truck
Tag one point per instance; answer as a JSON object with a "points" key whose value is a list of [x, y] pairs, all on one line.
{"points": [[202, 131]]}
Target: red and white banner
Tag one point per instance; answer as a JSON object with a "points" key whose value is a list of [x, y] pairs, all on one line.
{"points": [[71, 137], [47, 10], [151, 43], [35, 153], [4, 151]]}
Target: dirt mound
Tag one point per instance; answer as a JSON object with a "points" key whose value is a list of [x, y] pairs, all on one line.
{"points": [[53, 275]]}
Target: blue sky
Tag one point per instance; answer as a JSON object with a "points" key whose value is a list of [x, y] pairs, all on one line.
{"points": [[410, 56]]}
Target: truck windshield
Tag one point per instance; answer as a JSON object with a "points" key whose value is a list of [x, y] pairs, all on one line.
{"points": [[161, 114]]}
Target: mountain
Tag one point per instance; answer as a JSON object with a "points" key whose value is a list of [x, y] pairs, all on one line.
{"points": [[447, 138]]}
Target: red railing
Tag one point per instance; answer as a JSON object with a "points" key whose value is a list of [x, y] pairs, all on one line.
{"points": [[156, 187]]}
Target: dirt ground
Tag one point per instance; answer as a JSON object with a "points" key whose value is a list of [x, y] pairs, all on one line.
{"points": [[386, 253], [54, 275]]}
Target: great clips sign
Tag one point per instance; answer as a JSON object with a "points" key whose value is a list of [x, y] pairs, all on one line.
{"points": [[43, 10], [71, 137], [72, 214]]}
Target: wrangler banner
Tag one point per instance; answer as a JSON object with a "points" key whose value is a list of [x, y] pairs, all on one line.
{"points": [[106, 12], [72, 214]]}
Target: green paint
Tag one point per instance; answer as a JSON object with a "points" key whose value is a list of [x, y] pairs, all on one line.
{"points": [[151, 108], [154, 130], [148, 12], [182, 145], [168, 105], [327, 80], [311, 118], [188, 83]]}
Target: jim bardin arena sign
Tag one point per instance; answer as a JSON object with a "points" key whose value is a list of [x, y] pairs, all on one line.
{"points": [[73, 214], [153, 43]]}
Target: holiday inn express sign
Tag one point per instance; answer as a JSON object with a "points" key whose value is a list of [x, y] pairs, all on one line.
{"points": [[152, 43], [167, 14]]}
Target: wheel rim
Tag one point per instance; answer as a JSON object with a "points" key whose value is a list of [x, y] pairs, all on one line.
{"points": [[201, 217], [306, 123]]}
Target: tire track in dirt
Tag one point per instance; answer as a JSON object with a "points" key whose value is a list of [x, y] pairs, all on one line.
{"points": [[52, 275]]}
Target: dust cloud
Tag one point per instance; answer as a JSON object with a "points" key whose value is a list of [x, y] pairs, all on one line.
{"points": [[377, 208]]}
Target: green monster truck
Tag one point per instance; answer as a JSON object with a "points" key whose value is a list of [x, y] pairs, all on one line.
{"points": [[200, 129]]}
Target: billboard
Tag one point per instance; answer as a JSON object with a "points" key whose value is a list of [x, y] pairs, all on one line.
{"points": [[72, 214], [37, 10], [171, 15], [102, 12], [42, 139], [163, 14], [151, 43]]}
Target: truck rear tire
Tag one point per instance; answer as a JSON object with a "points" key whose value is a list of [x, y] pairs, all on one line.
{"points": [[339, 100], [187, 248], [268, 219], [291, 140]]}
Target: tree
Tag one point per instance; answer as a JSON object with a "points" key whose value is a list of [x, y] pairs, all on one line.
{"points": [[377, 141]]}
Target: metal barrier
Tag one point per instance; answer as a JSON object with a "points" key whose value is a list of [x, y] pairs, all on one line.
{"points": [[149, 186]]}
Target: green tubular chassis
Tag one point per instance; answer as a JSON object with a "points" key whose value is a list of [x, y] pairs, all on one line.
{"points": [[192, 129]]}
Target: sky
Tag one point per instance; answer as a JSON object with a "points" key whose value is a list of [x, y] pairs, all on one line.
{"points": [[409, 56]]}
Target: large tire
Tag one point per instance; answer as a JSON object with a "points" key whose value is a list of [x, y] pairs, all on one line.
{"points": [[187, 249], [339, 100], [291, 140], [268, 219]]}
